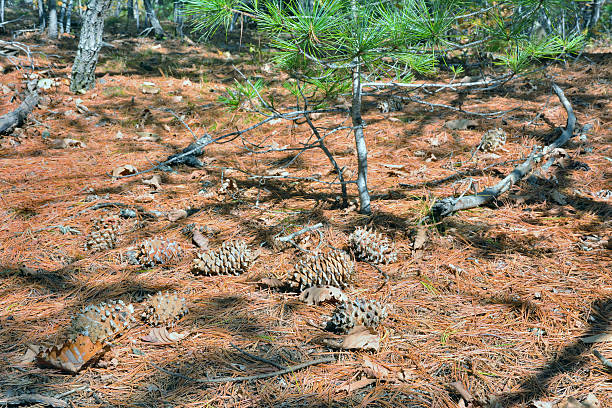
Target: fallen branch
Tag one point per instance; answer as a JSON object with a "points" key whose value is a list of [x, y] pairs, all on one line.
{"points": [[300, 232], [138, 208], [451, 205], [607, 363], [33, 399], [15, 118], [247, 378], [257, 358]]}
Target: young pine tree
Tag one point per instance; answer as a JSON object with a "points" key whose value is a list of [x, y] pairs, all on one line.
{"points": [[375, 44]]}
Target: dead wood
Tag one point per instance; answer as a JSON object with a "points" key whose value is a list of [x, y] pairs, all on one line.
{"points": [[606, 363], [451, 205], [34, 399], [250, 377], [15, 118]]}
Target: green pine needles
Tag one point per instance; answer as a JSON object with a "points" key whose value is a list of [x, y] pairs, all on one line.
{"points": [[375, 44]]}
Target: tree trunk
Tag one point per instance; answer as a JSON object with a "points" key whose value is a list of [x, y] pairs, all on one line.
{"points": [[62, 16], [159, 31], [11, 120], [117, 8], [178, 17], [84, 67], [52, 30], [595, 13], [130, 12], [42, 22], [360, 144], [68, 17], [1, 11], [137, 14]]}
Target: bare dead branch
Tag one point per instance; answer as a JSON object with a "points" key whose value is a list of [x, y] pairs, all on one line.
{"points": [[34, 399], [257, 358], [16, 118], [450, 205], [246, 378], [300, 232], [606, 363]]}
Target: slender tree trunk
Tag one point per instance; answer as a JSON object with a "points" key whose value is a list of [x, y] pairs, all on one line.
{"points": [[137, 14], [68, 17], [1, 11], [595, 13], [62, 16], [130, 12], [42, 22], [360, 144], [159, 31], [117, 8], [52, 31], [90, 42], [178, 17]]}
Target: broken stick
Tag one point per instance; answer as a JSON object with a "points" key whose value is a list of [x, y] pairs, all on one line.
{"points": [[13, 119]]}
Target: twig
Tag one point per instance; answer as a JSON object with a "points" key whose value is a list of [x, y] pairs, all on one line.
{"points": [[383, 273], [247, 378], [120, 205], [450, 205], [300, 232], [607, 363], [467, 396], [34, 399], [254, 357]]}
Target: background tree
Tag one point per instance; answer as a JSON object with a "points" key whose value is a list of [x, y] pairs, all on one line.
{"points": [[362, 44], [90, 41], [52, 29]]}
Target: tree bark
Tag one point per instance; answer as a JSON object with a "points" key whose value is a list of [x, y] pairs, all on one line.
{"points": [[595, 13], [159, 31], [137, 14], [52, 30], [42, 21], [62, 16], [130, 12], [84, 67], [360, 144], [68, 17], [1, 11], [178, 17], [15, 118]]}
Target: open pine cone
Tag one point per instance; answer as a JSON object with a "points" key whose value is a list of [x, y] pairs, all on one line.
{"points": [[158, 251], [368, 313], [232, 258], [372, 247], [164, 308], [334, 268], [103, 234], [102, 322]]}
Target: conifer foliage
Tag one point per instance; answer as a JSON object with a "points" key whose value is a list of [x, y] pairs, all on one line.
{"points": [[373, 45]]}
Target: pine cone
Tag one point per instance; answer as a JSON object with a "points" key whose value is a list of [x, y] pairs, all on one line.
{"points": [[158, 251], [334, 268], [164, 308], [358, 312], [233, 258], [103, 321], [372, 247], [492, 139], [103, 235]]}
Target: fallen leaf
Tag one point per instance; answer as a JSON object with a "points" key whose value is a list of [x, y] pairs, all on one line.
{"points": [[420, 239], [598, 338], [72, 355], [228, 185], [398, 173], [358, 338], [277, 172], [176, 215], [319, 294], [148, 137], [161, 336], [66, 143], [30, 354], [199, 239], [272, 283], [393, 166], [124, 170], [375, 370], [461, 124], [356, 385], [149, 88], [154, 181], [145, 198]]}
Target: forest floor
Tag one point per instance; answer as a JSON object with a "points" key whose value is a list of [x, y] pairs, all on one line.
{"points": [[499, 299]]}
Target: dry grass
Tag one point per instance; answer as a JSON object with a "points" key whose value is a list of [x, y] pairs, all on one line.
{"points": [[498, 301]]}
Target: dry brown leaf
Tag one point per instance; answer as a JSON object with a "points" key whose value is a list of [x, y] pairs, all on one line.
{"points": [[154, 181], [376, 370], [356, 385], [420, 239], [199, 239], [66, 143], [228, 185], [277, 172], [590, 401], [461, 124], [272, 283], [358, 338], [72, 355], [145, 198], [598, 338], [176, 215], [30, 354], [161, 336], [319, 294], [124, 170], [148, 137]]}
